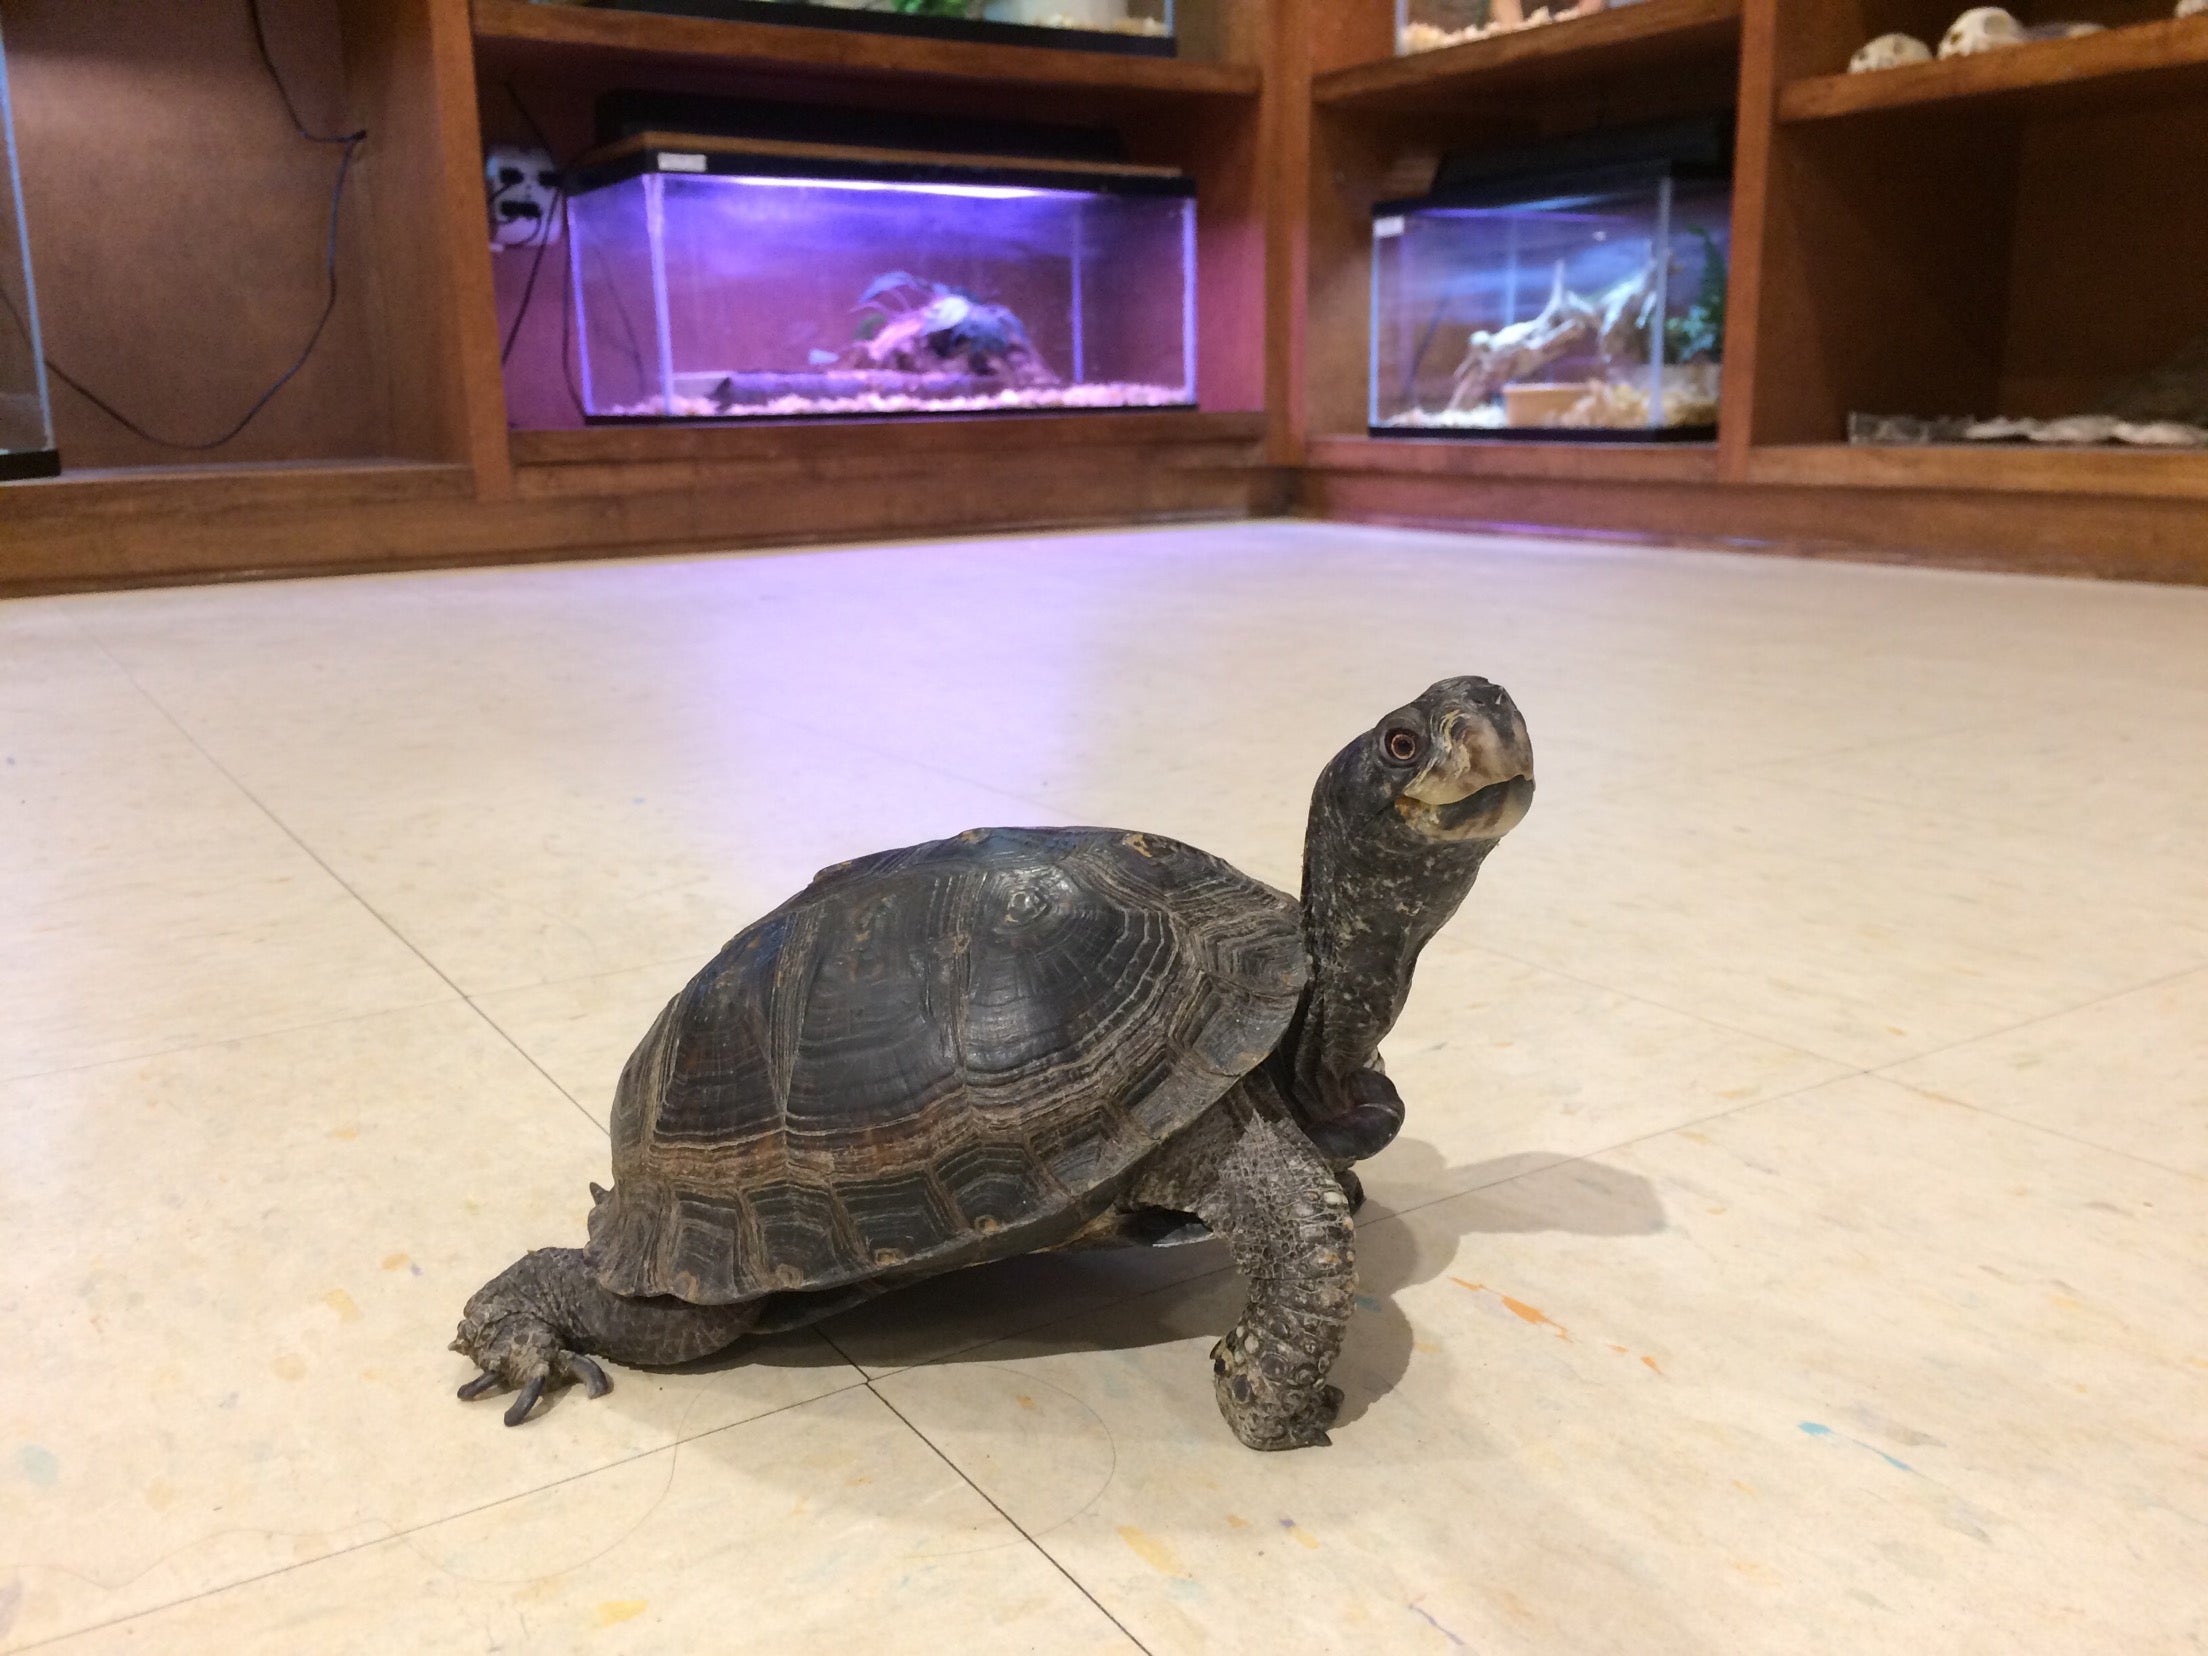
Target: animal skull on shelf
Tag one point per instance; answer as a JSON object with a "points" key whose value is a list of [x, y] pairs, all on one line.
{"points": [[1981, 29], [1891, 51], [521, 184]]}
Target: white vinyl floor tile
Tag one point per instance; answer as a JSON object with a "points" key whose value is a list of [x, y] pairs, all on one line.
{"points": [[1796, 1242]]}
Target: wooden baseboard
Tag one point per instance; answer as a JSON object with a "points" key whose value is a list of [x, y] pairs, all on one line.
{"points": [[2096, 536], [204, 526]]}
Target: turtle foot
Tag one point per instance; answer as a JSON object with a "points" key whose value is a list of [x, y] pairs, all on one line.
{"points": [[1273, 1396], [508, 1334]]}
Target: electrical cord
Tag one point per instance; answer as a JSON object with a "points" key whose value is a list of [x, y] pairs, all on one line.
{"points": [[351, 141], [560, 200]]}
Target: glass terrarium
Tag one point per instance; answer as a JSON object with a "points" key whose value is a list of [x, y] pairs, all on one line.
{"points": [[1580, 300], [723, 283], [26, 421], [1144, 26], [1430, 25]]}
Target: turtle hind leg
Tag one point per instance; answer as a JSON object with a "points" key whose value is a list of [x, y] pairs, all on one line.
{"points": [[540, 1321]]}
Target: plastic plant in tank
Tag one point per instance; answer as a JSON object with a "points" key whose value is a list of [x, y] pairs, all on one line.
{"points": [[910, 325], [1699, 334]]}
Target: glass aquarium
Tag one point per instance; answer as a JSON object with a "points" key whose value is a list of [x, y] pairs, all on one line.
{"points": [[1430, 25], [26, 421], [721, 283], [1144, 26], [1583, 299]]}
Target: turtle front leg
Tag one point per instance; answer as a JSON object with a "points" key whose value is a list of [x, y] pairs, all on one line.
{"points": [[1287, 1219], [539, 1322]]}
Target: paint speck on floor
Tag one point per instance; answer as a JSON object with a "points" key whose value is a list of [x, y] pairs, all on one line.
{"points": [[1818, 1430], [1152, 1551], [39, 1464], [342, 1303], [1535, 1315]]}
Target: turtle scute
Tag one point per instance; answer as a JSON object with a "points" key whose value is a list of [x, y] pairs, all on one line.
{"points": [[936, 1055]]}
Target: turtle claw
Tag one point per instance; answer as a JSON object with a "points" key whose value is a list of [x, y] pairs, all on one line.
{"points": [[564, 1366], [518, 1411], [592, 1376]]}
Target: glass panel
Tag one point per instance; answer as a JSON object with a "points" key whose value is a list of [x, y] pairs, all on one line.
{"points": [[1429, 25], [732, 296], [1573, 312], [26, 420]]}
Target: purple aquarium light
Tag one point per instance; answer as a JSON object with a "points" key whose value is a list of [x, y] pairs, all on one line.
{"points": [[724, 284]]}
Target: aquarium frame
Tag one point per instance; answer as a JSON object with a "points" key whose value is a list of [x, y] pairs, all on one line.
{"points": [[1666, 153], [646, 156], [17, 465], [976, 31], [744, 158]]}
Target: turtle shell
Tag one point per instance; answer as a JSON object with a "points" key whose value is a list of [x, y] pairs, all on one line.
{"points": [[937, 1055]]}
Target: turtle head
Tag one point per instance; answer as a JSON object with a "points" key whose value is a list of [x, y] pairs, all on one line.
{"points": [[1454, 767], [1401, 820]]}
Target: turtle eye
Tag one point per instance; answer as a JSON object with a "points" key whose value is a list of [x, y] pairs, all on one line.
{"points": [[1400, 745]]}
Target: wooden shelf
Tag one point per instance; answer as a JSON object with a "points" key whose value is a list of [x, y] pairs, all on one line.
{"points": [[2002, 468], [1500, 458], [612, 459], [1638, 39], [513, 31], [948, 434], [2116, 69], [247, 485]]}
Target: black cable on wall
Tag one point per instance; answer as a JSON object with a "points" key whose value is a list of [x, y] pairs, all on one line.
{"points": [[351, 142]]}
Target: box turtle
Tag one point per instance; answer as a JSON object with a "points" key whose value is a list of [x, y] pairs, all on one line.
{"points": [[1031, 1038]]}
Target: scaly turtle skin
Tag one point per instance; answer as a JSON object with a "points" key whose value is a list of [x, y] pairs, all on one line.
{"points": [[1022, 1039]]}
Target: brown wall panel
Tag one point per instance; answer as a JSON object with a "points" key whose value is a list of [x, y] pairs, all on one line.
{"points": [[177, 226]]}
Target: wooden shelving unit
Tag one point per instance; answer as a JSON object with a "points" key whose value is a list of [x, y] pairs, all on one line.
{"points": [[2140, 63], [2144, 474], [1528, 460], [2001, 234], [510, 33], [1647, 39]]}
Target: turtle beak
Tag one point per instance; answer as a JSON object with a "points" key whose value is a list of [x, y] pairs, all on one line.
{"points": [[1479, 783]]}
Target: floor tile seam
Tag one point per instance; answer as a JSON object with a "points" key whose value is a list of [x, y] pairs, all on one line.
{"points": [[1967, 727], [1693, 1122], [343, 884], [2041, 1127], [401, 1532], [2197, 969], [1041, 1551], [603, 1127], [1641, 999], [1122, 1301], [1962, 817], [1751, 767], [683, 962], [7, 1080]]}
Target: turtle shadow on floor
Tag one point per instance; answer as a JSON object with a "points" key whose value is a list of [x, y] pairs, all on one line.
{"points": [[1130, 1298]]}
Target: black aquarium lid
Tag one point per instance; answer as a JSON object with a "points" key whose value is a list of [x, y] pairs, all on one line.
{"points": [[678, 155], [1700, 150], [876, 22], [632, 112]]}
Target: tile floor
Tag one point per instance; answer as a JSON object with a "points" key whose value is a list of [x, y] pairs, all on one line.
{"points": [[1799, 1242]]}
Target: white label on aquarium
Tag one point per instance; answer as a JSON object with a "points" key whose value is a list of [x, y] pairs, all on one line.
{"points": [[681, 163], [1382, 229]]}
